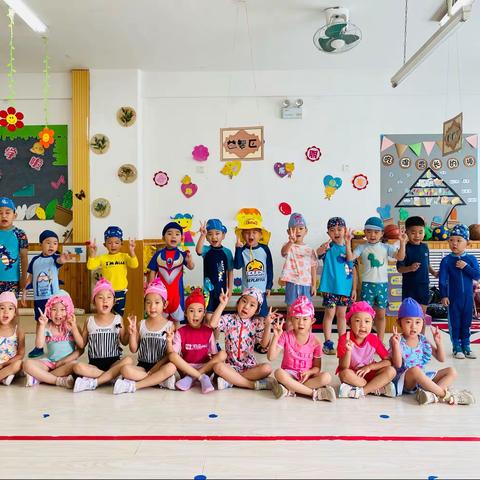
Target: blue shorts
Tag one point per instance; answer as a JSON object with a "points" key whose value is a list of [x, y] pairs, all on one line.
{"points": [[376, 294], [120, 300], [293, 291], [264, 308], [213, 302], [419, 292]]}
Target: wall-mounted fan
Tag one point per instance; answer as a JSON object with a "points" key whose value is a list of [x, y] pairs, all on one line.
{"points": [[338, 35]]}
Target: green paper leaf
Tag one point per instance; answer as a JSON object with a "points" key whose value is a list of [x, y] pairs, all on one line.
{"points": [[50, 209]]}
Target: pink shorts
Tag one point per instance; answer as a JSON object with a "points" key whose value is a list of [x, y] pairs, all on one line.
{"points": [[51, 365]]}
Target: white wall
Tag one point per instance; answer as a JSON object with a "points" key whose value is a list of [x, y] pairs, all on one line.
{"points": [[344, 114], [29, 100]]}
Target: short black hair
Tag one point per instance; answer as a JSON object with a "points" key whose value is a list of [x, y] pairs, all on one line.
{"points": [[414, 222]]}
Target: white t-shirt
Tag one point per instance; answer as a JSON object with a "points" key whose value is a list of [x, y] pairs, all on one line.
{"points": [[375, 260]]}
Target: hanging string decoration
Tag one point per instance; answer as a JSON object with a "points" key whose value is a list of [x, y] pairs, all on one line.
{"points": [[46, 136], [11, 118]]}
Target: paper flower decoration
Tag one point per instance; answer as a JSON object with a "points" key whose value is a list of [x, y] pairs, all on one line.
{"points": [[360, 181], [200, 153], [10, 153], [160, 179], [332, 184], [11, 119], [46, 137], [313, 153]]}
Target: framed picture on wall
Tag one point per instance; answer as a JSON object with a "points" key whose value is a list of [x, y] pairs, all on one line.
{"points": [[241, 143]]}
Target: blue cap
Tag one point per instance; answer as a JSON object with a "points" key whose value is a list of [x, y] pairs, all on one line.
{"points": [[410, 308], [7, 202], [170, 225], [216, 224], [297, 220], [336, 222], [47, 234], [113, 231], [460, 230], [374, 223]]}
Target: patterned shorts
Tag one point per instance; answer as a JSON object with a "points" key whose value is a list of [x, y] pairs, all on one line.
{"points": [[9, 287], [376, 294], [332, 300]]}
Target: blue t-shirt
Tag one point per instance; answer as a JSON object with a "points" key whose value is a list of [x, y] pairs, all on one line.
{"points": [[44, 271], [415, 254], [11, 242], [217, 262], [337, 273], [257, 266]]}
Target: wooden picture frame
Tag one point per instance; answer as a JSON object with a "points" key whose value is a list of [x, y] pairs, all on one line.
{"points": [[241, 143]]}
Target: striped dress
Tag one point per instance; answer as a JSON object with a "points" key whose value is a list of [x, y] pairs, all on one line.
{"points": [[104, 342], [153, 343]]}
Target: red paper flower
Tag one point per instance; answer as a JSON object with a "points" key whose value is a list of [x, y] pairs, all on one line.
{"points": [[11, 119], [360, 181], [46, 137]]}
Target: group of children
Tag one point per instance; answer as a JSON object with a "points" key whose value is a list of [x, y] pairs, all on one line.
{"points": [[166, 346]]}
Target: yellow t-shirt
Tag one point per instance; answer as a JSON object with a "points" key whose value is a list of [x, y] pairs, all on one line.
{"points": [[114, 267]]}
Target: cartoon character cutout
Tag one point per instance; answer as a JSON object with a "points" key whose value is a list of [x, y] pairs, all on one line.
{"points": [[185, 221]]}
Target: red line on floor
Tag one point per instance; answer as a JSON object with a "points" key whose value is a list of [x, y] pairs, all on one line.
{"points": [[237, 438]]}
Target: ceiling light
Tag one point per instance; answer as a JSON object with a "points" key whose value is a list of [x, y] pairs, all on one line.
{"points": [[439, 36], [27, 15]]}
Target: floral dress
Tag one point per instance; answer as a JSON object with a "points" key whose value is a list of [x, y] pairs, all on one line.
{"points": [[241, 335], [8, 347], [417, 356]]}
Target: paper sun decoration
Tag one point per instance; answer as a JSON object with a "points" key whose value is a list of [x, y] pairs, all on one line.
{"points": [[11, 119], [360, 181], [46, 137]]}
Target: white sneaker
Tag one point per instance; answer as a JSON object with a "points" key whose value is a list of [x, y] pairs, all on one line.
{"points": [[222, 384], [324, 393], [31, 381], [8, 380], [65, 382], [124, 386], [388, 390], [460, 397], [84, 383], [423, 397], [459, 355], [280, 391], [348, 391], [168, 383]]}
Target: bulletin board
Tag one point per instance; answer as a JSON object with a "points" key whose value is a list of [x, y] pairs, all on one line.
{"points": [[417, 178], [36, 178]]}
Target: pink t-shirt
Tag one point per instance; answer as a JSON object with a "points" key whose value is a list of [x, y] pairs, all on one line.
{"points": [[298, 265], [195, 344], [362, 354], [298, 357]]}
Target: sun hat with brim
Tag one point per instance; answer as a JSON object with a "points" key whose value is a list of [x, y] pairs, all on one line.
{"points": [[249, 218]]}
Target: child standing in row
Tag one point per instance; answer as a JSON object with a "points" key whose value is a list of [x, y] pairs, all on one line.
{"points": [[114, 264], [299, 273], [12, 339], [104, 333], [167, 263], [149, 339], [457, 272], [13, 250], [254, 258], [57, 328], [338, 284], [217, 262], [192, 348], [358, 372], [375, 255], [301, 363], [411, 352], [43, 275], [415, 267], [242, 329]]}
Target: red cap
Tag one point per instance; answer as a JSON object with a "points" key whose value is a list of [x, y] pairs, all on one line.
{"points": [[195, 297]]}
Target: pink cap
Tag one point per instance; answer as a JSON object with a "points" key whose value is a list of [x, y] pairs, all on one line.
{"points": [[301, 307], [102, 284], [63, 299], [156, 286], [9, 297], [359, 307]]}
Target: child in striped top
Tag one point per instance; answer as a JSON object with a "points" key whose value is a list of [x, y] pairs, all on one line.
{"points": [[149, 340], [12, 339], [192, 349], [105, 334], [57, 328]]}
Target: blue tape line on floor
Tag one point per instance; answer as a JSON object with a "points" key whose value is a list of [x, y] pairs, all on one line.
{"points": [[199, 477], [213, 415], [45, 415], [384, 416]]}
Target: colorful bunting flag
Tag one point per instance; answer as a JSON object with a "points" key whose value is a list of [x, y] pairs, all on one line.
{"points": [[386, 143], [416, 148], [428, 146], [472, 140], [400, 147]]}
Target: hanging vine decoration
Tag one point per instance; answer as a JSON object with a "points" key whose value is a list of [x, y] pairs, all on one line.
{"points": [[46, 136], [10, 118]]}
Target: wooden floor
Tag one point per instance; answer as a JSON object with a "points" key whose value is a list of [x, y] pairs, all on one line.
{"points": [[235, 434]]}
